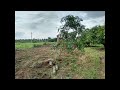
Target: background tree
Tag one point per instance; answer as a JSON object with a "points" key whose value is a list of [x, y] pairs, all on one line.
{"points": [[95, 35]]}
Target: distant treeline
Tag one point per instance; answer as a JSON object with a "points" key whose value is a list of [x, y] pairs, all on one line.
{"points": [[36, 40]]}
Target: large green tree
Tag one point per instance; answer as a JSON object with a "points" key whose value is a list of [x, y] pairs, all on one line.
{"points": [[73, 23]]}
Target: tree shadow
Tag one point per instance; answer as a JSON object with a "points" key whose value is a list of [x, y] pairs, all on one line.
{"points": [[97, 48], [94, 46]]}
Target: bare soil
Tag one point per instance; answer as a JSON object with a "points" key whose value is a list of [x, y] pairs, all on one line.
{"points": [[27, 63]]}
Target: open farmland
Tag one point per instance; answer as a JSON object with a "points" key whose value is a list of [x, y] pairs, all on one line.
{"points": [[60, 45], [71, 65]]}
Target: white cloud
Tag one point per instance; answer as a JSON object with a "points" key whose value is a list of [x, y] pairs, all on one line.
{"points": [[94, 21], [44, 24]]}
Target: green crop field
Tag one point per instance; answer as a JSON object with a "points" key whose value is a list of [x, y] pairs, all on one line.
{"points": [[30, 45]]}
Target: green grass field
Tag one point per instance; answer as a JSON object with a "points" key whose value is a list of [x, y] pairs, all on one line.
{"points": [[30, 45], [87, 66], [91, 69]]}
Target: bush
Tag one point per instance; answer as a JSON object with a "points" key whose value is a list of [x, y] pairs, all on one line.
{"points": [[69, 46], [44, 43], [80, 45], [36, 45]]}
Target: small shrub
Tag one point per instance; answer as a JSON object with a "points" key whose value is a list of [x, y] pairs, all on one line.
{"points": [[69, 46], [54, 46], [81, 46], [36, 45], [44, 43]]}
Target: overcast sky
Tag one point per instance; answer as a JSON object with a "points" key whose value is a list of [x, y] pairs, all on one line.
{"points": [[44, 24]]}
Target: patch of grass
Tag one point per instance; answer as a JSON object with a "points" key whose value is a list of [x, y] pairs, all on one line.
{"points": [[31, 45], [37, 45], [23, 45], [88, 67], [90, 73], [95, 53], [74, 67]]}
